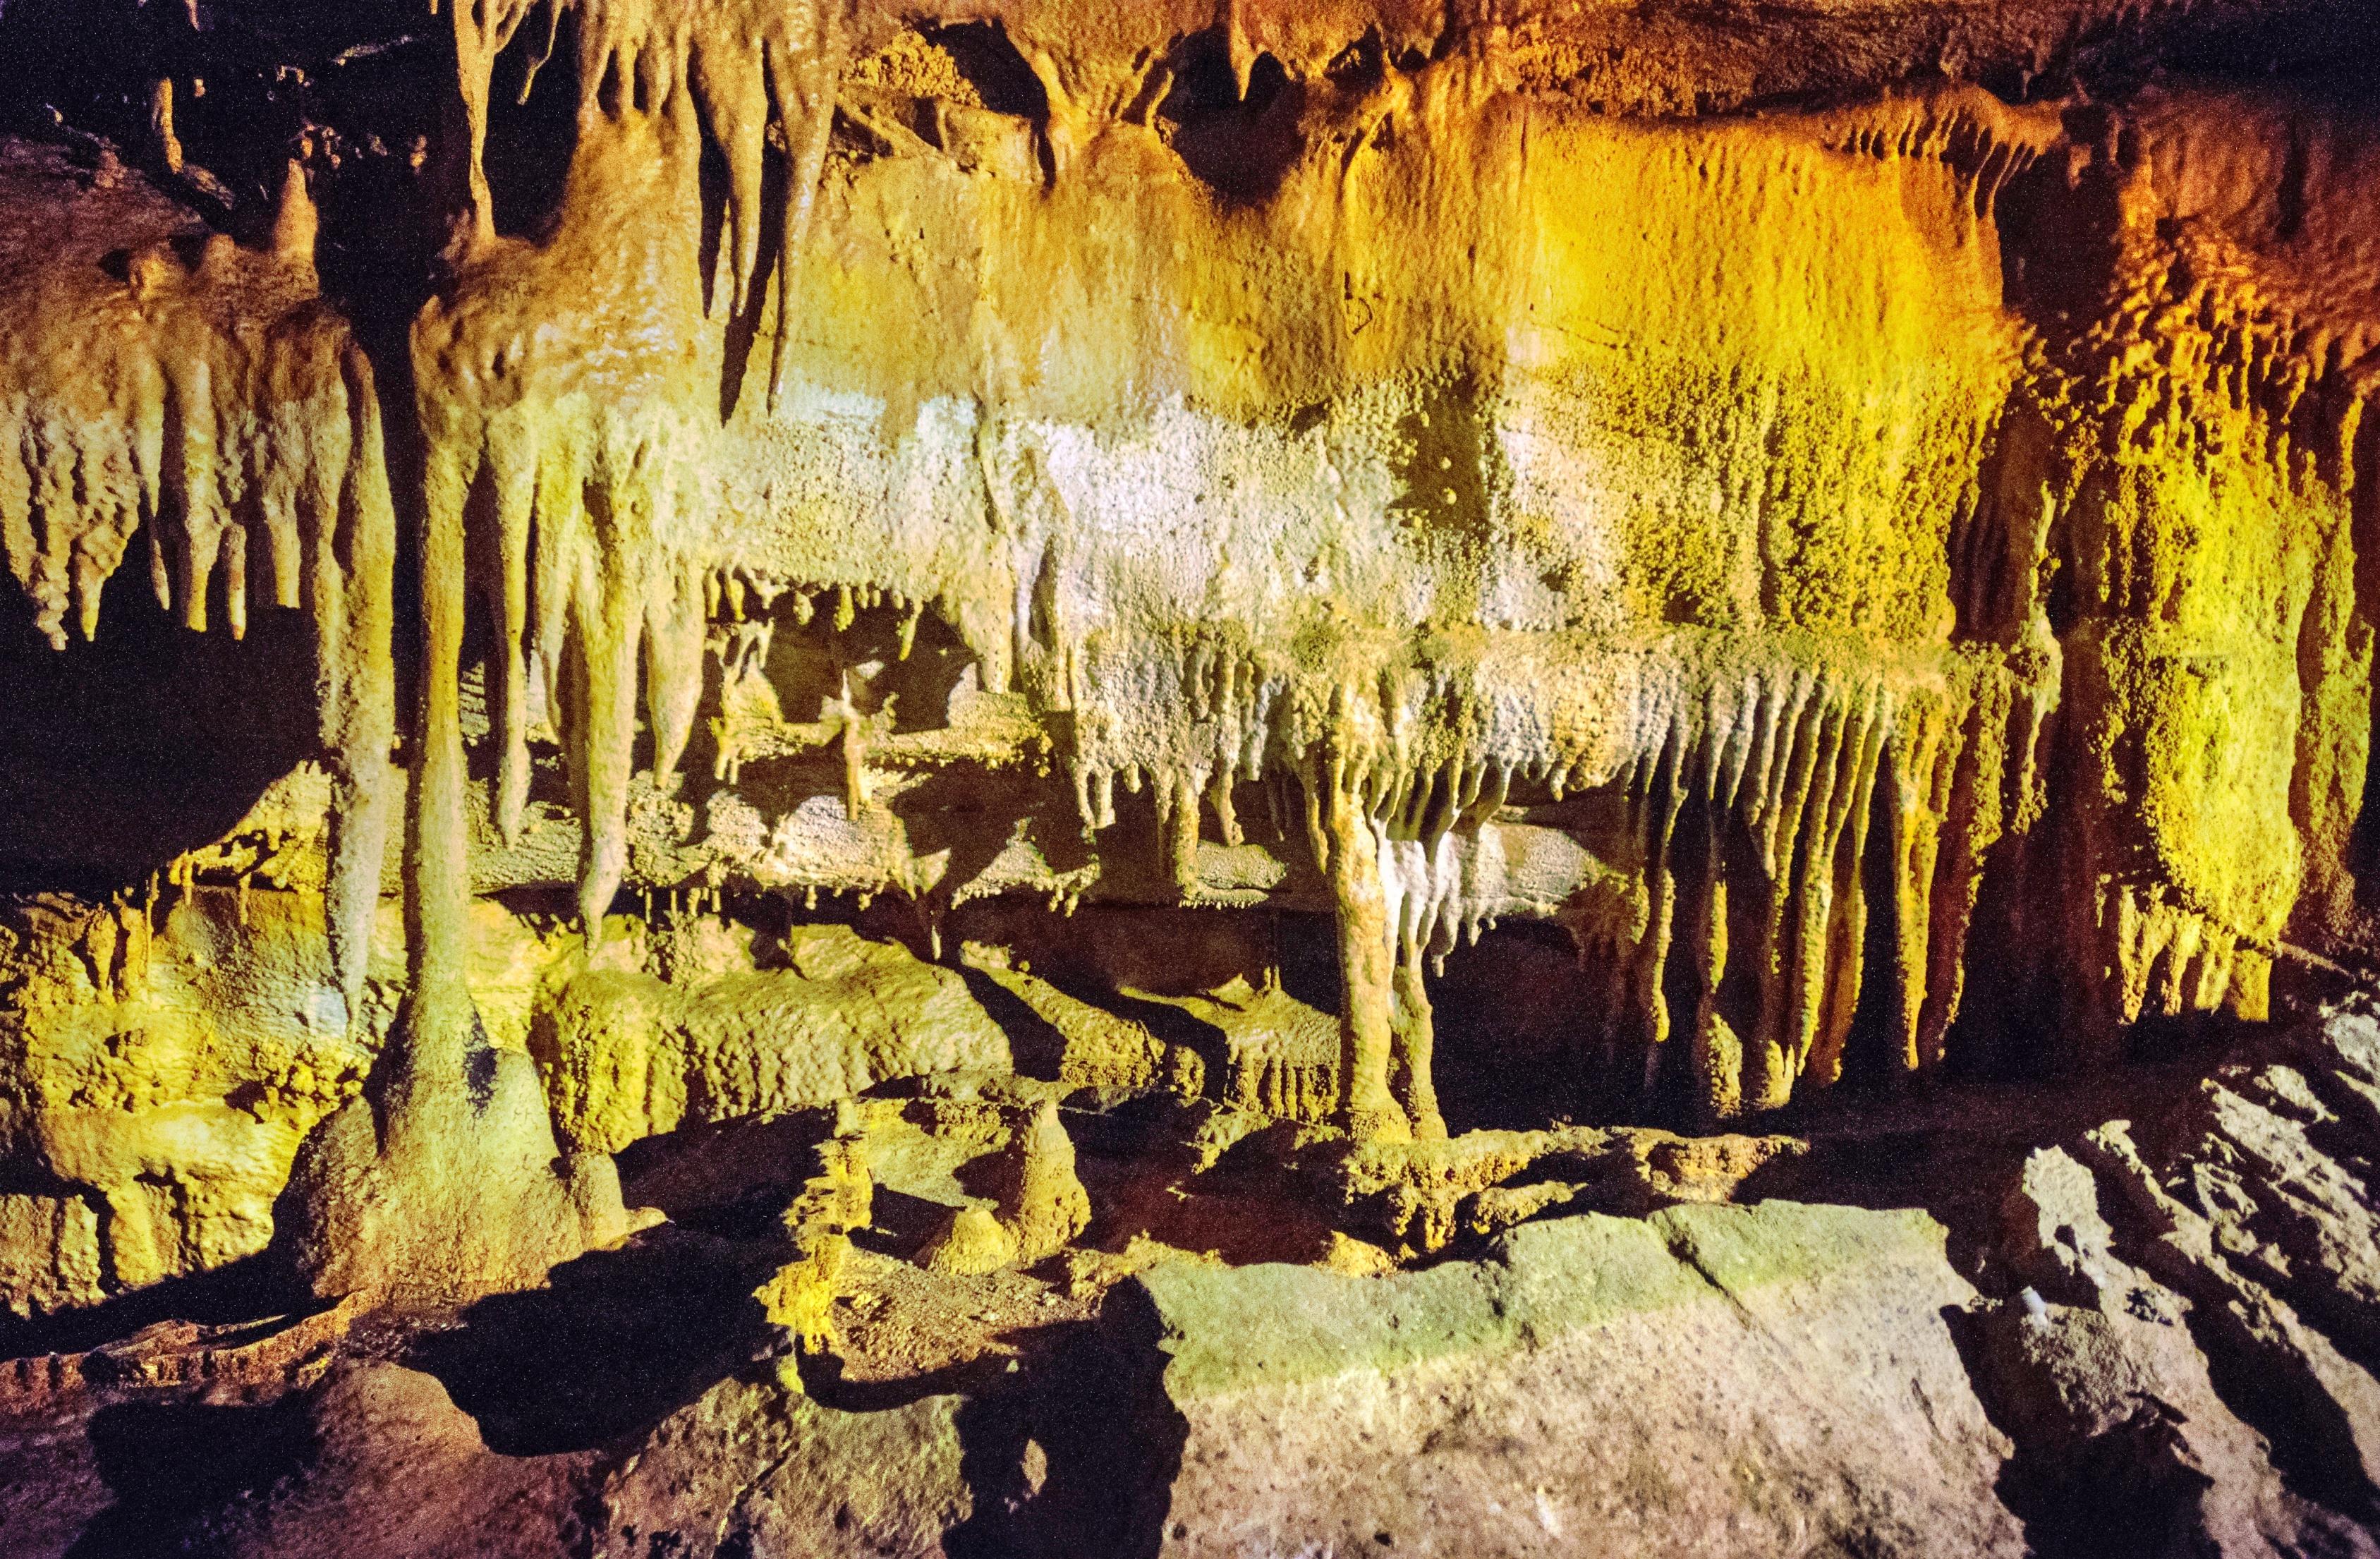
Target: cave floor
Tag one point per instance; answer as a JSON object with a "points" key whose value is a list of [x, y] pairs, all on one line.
{"points": [[219, 1416]]}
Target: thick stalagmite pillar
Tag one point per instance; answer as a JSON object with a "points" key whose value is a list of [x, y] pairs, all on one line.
{"points": [[1367, 1030], [444, 1179]]}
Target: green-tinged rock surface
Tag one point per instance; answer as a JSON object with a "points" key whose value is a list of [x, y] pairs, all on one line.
{"points": [[1722, 1381]]}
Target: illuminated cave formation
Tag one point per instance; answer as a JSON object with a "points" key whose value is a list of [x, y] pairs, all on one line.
{"points": [[1062, 589]]}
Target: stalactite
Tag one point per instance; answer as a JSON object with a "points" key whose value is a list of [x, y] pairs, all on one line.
{"points": [[1717, 1052], [184, 401], [1781, 804], [754, 67], [1658, 813], [450, 1181], [806, 54], [596, 487], [1753, 795]]}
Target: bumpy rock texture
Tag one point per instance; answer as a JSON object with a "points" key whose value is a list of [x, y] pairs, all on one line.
{"points": [[959, 619], [2245, 1224]]}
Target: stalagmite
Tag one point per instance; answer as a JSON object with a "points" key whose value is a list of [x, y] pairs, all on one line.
{"points": [[1339, 810], [1409, 1079]]}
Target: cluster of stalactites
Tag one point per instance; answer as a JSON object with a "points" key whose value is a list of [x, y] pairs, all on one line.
{"points": [[220, 409], [1757, 816], [1423, 748], [1986, 141], [1762, 805], [1212, 707], [152, 404], [597, 492], [758, 69], [588, 594], [1394, 763]]}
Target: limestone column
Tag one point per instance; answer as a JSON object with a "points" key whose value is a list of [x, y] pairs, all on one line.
{"points": [[1367, 1033], [1414, 1038]]}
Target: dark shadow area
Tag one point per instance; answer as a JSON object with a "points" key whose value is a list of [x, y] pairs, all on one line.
{"points": [[1068, 1442], [1077, 1459], [2131, 1489], [972, 813], [823, 1379], [2331, 48], [991, 64], [271, 70], [901, 1223], [2127, 1494], [1239, 146], [2308, 1434], [1307, 947], [251, 1290], [117, 755], [1133, 1131], [617, 1342], [1139, 1157], [1159, 950], [1036, 1043], [1170, 1024], [888, 657], [170, 1463], [727, 1178], [1953, 1147], [533, 126], [1514, 1013]]}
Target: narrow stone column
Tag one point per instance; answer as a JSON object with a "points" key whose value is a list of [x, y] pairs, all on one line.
{"points": [[1365, 1030], [1416, 1037]]}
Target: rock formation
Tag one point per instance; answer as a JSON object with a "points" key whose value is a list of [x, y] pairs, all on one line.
{"points": [[1112, 660]]}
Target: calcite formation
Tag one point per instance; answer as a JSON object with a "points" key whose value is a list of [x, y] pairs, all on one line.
{"points": [[1009, 589]]}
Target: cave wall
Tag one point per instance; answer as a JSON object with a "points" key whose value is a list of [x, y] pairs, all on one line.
{"points": [[1833, 536]]}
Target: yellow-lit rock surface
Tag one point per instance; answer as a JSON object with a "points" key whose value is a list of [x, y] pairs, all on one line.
{"points": [[1156, 667]]}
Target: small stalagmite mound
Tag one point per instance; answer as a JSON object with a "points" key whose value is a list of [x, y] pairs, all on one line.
{"points": [[1040, 1207], [1045, 1206]]}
